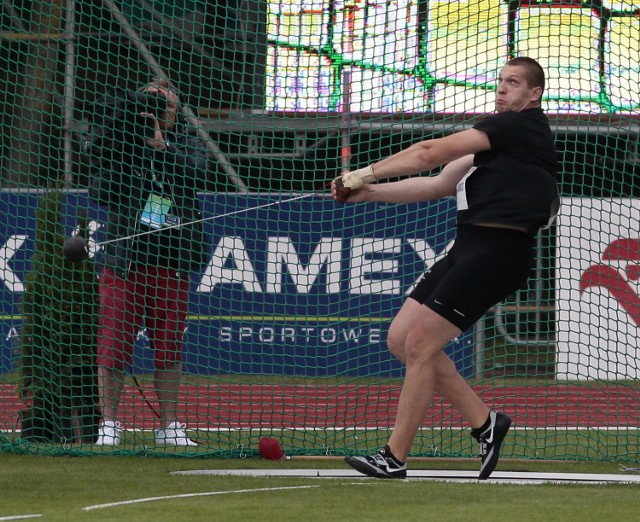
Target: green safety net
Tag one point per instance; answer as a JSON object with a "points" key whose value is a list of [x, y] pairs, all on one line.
{"points": [[288, 312]]}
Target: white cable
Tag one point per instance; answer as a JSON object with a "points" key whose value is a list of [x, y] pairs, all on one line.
{"points": [[210, 218]]}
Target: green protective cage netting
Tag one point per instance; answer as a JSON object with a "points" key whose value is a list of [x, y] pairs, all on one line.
{"points": [[288, 313]]}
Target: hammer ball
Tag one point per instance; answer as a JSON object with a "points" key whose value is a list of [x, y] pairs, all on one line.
{"points": [[76, 249]]}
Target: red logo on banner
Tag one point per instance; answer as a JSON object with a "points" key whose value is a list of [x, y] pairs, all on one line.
{"points": [[609, 278]]}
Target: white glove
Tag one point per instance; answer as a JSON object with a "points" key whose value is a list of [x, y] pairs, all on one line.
{"points": [[358, 178], [352, 181]]}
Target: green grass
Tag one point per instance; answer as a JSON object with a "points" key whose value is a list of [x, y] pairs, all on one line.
{"points": [[59, 488]]}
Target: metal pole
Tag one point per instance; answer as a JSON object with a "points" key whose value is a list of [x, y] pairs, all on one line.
{"points": [[157, 71], [69, 91], [478, 339], [348, 24]]}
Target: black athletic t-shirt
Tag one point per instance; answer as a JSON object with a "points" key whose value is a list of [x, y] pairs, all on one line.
{"points": [[513, 183]]}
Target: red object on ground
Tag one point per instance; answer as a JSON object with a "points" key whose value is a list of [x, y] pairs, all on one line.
{"points": [[270, 449]]}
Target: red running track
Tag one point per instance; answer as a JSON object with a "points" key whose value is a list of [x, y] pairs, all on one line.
{"points": [[239, 406]]}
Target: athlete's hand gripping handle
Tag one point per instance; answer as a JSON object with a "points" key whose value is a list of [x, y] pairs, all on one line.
{"points": [[350, 181]]}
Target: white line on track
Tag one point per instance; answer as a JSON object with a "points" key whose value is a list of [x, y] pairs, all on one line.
{"points": [[190, 495], [19, 517], [260, 427]]}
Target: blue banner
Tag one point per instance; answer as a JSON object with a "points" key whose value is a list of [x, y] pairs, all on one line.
{"points": [[295, 285]]}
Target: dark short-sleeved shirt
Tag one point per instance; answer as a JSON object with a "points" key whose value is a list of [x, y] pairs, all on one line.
{"points": [[513, 183]]}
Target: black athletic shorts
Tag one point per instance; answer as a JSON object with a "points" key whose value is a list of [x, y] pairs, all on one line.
{"points": [[484, 266]]}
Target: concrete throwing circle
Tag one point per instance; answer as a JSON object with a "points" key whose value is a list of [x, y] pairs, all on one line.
{"points": [[498, 477]]}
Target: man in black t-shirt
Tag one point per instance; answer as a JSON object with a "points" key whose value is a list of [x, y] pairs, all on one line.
{"points": [[502, 173]]}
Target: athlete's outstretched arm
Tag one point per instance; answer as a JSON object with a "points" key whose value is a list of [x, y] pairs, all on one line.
{"points": [[420, 157], [413, 190], [429, 154]]}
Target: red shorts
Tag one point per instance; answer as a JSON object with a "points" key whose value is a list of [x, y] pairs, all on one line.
{"points": [[156, 298]]}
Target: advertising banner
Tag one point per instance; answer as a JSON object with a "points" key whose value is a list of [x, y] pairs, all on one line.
{"points": [[294, 285], [598, 269]]}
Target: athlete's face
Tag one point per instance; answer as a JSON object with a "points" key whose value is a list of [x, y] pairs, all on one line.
{"points": [[513, 92]]}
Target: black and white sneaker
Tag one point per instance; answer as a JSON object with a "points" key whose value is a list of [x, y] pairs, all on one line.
{"points": [[381, 465], [490, 440]]}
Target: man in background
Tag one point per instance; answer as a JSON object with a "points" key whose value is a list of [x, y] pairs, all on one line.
{"points": [[147, 172]]}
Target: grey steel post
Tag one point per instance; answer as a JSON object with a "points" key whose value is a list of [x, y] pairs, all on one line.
{"points": [[69, 91]]}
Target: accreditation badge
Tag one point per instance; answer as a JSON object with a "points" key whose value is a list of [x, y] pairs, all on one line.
{"points": [[156, 211]]}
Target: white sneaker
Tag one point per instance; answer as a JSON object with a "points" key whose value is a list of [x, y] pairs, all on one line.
{"points": [[108, 434], [174, 435]]}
